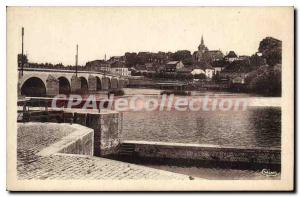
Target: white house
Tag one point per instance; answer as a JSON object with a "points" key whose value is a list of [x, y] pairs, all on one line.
{"points": [[124, 71], [198, 71], [218, 69], [119, 68], [209, 72]]}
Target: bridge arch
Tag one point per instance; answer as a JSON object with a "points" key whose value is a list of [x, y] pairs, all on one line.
{"points": [[109, 83], [84, 87], [64, 85], [34, 87], [98, 83]]}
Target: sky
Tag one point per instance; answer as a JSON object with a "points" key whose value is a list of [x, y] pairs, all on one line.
{"points": [[51, 33]]}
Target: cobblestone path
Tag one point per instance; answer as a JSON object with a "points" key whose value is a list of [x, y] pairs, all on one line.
{"points": [[69, 166]]}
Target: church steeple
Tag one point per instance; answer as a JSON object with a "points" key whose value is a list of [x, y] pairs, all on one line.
{"points": [[202, 48]]}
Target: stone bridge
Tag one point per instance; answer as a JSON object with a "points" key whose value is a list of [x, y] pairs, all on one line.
{"points": [[50, 82]]}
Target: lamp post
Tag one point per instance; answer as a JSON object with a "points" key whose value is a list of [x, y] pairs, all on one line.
{"points": [[76, 60], [22, 56]]}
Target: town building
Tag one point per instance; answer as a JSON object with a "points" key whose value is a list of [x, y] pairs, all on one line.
{"points": [[98, 66], [214, 55], [204, 54], [244, 57], [209, 72], [219, 65], [231, 56], [120, 68], [173, 66], [139, 69], [151, 67], [206, 68]]}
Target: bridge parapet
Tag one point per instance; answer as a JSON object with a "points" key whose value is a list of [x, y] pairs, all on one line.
{"points": [[54, 83]]}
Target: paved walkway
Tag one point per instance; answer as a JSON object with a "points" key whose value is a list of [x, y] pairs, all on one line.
{"points": [[71, 166]]}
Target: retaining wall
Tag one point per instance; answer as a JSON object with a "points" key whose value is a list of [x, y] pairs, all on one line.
{"points": [[79, 141], [105, 127], [179, 151]]}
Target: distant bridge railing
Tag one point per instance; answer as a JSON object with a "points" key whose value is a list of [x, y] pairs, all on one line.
{"points": [[67, 71]]}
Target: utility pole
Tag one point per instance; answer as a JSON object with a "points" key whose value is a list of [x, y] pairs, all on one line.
{"points": [[76, 60], [22, 57]]}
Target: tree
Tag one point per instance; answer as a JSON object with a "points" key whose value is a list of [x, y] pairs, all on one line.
{"points": [[21, 60], [256, 61], [183, 55], [131, 59], [271, 49], [266, 80]]}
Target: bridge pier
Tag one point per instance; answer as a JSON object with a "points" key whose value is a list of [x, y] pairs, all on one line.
{"points": [[75, 84], [121, 83], [114, 84], [92, 82], [52, 86], [105, 83]]}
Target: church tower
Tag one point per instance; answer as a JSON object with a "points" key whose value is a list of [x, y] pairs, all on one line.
{"points": [[202, 48]]}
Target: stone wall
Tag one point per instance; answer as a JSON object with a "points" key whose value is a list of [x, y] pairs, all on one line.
{"points": [[105, 125], [110, 133], [61, 138], [82, 142], [179, 151]]}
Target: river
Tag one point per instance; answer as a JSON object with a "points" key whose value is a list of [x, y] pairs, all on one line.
{"points": [[258, 126]]}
